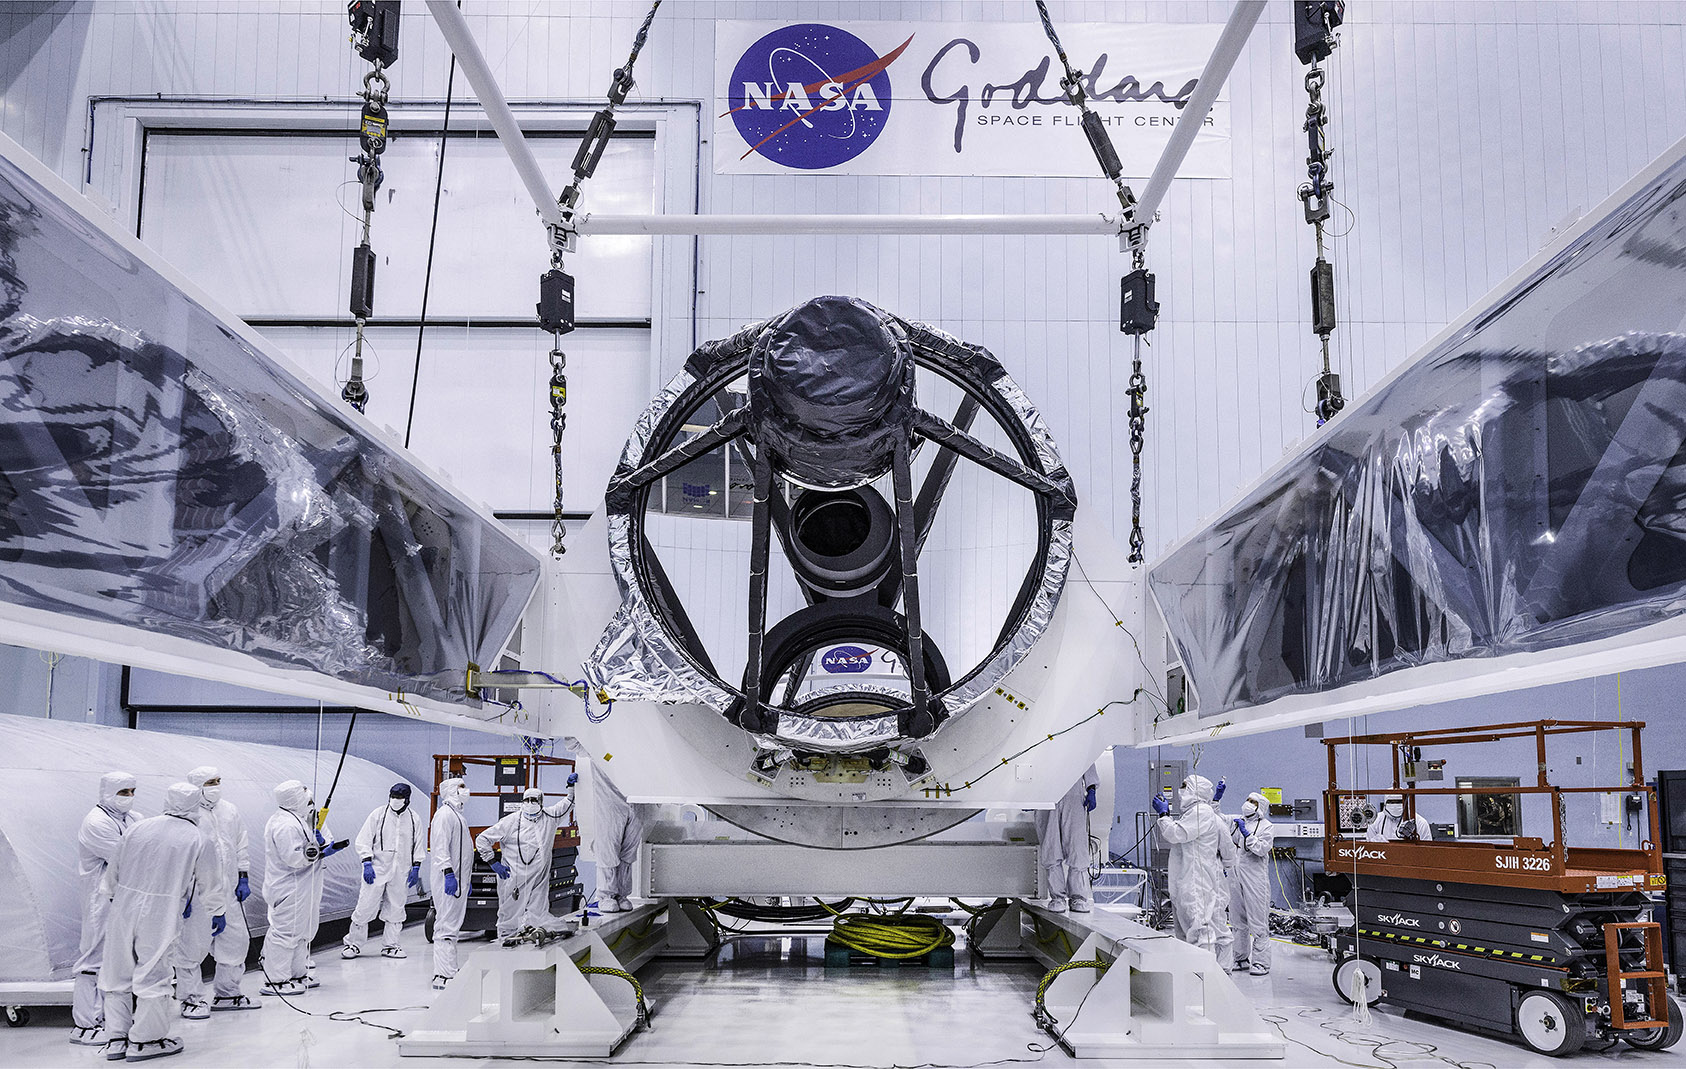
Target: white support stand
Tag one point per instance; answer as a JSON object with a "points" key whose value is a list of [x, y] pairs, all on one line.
{"points": [[690, 932], [1161, 999], [996, 936], [531, 1003]]}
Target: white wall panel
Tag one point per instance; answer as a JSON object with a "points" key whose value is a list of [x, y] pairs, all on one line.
{"points": [[1465, 132], [265, 222], [483, 410]]}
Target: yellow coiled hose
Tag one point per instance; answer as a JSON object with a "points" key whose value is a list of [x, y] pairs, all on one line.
{"points": [[894, 937]]}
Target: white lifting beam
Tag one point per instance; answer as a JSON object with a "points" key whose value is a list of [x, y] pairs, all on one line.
{"points": [[1218, 65], [474, 67], [1096, 223]]}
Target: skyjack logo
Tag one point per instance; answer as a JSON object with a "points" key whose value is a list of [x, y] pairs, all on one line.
{"points": [[1362, 853], [1398, 920], [1437, 961], [811, 96]]}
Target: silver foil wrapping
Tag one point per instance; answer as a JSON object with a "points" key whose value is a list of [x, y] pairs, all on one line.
{"points": [[638, 658], [1039, 613], [1521, 487], [158, 471], [841, 735]]}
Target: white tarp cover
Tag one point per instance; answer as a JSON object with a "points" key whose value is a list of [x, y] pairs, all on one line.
{"points": [[49, 779]]}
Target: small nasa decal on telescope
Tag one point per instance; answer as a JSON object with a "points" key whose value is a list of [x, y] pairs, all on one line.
{"points": [[846, 659]]}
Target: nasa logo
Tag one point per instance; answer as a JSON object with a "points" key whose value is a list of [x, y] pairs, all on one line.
{"points": [[810, 96], [846, 659]]}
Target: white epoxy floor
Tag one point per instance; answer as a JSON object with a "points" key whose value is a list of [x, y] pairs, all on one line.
{"points": [[770, 1001]]}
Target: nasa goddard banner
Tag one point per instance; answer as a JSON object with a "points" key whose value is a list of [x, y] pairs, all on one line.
{"points": [[954, 98]]}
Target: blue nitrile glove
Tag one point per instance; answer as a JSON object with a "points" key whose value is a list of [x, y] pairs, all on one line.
{"points": [[1218, 791], [243, 889], [1241, 826], [501, 869], [415, 876], [1089, 800], [188, 912], [573, 778], [330, 850], [368, 870], [1161, 805], [451, 885], [319, 840], [218, 923]]}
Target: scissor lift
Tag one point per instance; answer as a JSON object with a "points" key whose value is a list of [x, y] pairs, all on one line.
{"points": [[1550, 943]]}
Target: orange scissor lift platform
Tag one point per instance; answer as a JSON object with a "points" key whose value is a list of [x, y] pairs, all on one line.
{"points": [[1549, 942]]}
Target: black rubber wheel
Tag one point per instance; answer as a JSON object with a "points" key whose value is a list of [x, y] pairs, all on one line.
{"points": [[1551, 1023], [1658, 1038], [1346, 981], [18, 1016], [427, 923]]}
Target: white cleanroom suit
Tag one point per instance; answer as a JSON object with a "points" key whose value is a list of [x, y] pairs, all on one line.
{"points": [[96, 845], [451, 850], [293, 852], [1064, 834], [1254, 836], [528, 837], [228, 857], [153, 880], [1201, 851], [391, 843], [616, 834], [1391, 824]]}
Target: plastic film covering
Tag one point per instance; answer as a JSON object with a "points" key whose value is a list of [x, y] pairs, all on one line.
{"points": [[159, 471], [49, 780], [831, 392], [1521, 487]]}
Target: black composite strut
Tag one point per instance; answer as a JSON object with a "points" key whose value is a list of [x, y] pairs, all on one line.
{"points": [[921, 721], [751, 718]]}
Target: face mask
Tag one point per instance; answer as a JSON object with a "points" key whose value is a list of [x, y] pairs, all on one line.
{"points": [[397, 805], [531, 809], [1248, 809], [123, 803], [1394, 809], [213, 794], [455, 797]]}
